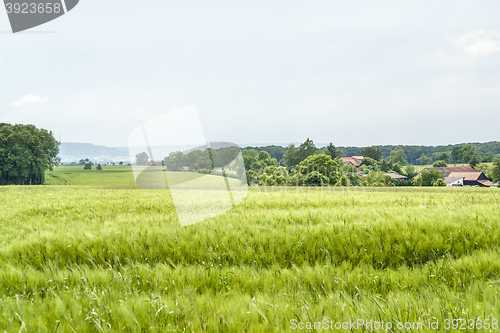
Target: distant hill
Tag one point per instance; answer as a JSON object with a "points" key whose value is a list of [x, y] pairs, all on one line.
{"points": [[73, 152]]}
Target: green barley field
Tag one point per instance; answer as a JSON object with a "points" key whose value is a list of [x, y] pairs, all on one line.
{"points": [[91, 252]]}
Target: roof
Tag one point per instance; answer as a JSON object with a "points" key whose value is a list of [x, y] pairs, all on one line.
{"points": [[447, 171], [354, 160], [486, 182], [466, 175], [464, 168], [395, 176]]}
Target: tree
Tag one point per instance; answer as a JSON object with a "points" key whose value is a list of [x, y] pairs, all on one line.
{"points": [[121, 163], [88, 166], [486, 169], [99, 167], [176, 161], [398, 156], [440, 164], [475, 160], [142, 158], [489, 157], [368, 161], [192, 158], [306, 149], [384, 166], [290, 156], [428, 178], [410, 172], [372, 152], [444, 156], [495, 171], [424, 160], [332, 151], [322, 164], [26, 153], [464, 154], [203, 162]]}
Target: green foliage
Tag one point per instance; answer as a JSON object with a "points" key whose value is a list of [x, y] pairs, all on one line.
{"points": [[250, 152], [99, 167], [26, 153], [384, 166], [88, 166], [176, 161], [475, 160], [398, 156], [439, 182], [464, 154], [410, 172], [332, 151], [440, 164], [379, 179], [322, 164], [489, 157], [273, 175], [444, 156], [368, 161], [424, 160], [203, 162], [372, 152], [306, 149], [495, 171], [428, 178], [290, 156], [142, 158], [121, 163], [194, 156]]}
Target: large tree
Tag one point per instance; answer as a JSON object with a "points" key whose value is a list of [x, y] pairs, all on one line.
{"points": [[26, 152], [306, 149], [142, 158], [372, 152]]}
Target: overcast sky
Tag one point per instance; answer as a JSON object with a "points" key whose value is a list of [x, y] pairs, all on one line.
{"points": [[350, 72]]}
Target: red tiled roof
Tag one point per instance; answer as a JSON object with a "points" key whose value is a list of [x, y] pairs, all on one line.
{"points": [[350, 160], [354, 160]]}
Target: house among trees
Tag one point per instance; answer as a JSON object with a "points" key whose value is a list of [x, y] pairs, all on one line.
{"points": [[155, 163], [396, 176], [463, 176], [353, 160]]}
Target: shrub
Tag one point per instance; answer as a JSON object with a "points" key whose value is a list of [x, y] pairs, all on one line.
{"points": [[440, 164]]}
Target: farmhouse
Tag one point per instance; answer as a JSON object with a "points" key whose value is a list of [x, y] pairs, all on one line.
{"points": [[463, 176], [396, 176], [353, 160], [155, 163]]}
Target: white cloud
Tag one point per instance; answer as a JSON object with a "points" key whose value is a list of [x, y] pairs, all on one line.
{"points": [[29, 99], [480, 42]]}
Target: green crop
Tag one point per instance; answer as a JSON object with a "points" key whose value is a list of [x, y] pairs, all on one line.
{"points": [[114, 258]]}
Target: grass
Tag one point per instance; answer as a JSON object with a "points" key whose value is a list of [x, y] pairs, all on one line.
{"points": [[97, 259]]}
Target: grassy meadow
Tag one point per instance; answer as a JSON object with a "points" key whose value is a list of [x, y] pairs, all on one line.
{"points": [[112, 257]]}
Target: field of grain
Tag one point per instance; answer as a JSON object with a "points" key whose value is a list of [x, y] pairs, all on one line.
{"points": [[113, 257]]}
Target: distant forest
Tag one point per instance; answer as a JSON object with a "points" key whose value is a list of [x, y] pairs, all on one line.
{"points": [[412, 152]]}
